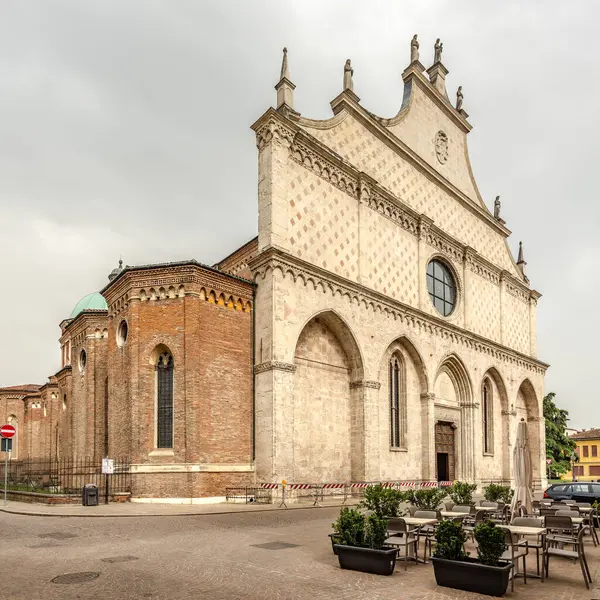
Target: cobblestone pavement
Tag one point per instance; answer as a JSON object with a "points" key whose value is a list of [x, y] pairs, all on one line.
{"points": [[215, 557]]}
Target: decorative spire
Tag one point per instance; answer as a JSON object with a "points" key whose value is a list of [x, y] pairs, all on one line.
{"points": [[285, 88], [285, 72], [521, 263], [520, 259]]}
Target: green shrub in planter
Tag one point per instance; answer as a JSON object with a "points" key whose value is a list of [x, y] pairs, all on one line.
{"points": [[490, 543], [450, 538], [376, 532], [350, 528], [498, 493], [462, 493], [427, 498], [353, 528], [384, 502]]}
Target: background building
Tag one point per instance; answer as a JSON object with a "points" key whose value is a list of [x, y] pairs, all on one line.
{"points": [[588, 466]]}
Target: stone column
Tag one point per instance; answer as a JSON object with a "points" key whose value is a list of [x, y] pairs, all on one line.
{"points": [[428, 465], [502, 290], [273, 139], [533, 298], [467, 283], [423, 253], [274, 420], [364, 419], [468, 411]]}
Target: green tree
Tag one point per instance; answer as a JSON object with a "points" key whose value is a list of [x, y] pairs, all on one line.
{"points": [[558, 446]]}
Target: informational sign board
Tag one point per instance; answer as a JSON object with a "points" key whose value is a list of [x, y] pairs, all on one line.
{"points": [[6, 445], [7, 431], [108, 466]]}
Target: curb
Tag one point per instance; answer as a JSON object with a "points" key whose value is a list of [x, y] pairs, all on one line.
{"points": [[155, 515]]}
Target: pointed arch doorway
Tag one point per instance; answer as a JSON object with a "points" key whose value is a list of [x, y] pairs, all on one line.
{"points": [[445, 451]]}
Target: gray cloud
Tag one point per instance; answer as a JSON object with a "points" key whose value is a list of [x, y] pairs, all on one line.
{"points": [[124, 129]]}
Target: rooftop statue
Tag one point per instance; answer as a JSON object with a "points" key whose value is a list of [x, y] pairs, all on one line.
{"points": [[348, 72], [414, 49], [459, 98], [497, 207], [437, 51]]}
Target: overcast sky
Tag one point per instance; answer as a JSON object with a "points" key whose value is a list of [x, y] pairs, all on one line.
{"points": [[124, 130]]}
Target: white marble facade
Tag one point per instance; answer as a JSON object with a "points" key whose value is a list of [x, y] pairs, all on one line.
{"points": [[351, 211]]}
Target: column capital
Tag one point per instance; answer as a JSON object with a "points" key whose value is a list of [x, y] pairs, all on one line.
{"points": [[274, 365], [427, 396], [361, 383]]}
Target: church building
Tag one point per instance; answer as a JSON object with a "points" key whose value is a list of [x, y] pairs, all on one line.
{"points": [[377, 329]]}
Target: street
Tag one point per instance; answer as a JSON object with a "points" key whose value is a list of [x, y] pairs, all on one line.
{"points": [[214, 557]]}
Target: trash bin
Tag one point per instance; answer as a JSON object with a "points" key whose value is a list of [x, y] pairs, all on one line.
{"points": [[89, 496]]}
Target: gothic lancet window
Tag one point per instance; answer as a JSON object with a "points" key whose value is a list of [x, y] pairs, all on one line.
{"points": [[397, 391], [487, 413], [164, 401]]}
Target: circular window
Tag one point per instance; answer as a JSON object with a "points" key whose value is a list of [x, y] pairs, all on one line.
{"points": [[122, 333], [441, 287], [82, 360]]}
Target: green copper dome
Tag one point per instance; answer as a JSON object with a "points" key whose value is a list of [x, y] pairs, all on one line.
{"points": [[94, 301]]}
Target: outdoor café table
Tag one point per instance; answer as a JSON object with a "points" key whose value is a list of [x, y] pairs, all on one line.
{"points": [[448, 514], [533, 531], [418, 523]]}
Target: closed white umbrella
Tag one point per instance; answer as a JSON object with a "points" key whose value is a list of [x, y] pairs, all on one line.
{"points": [[522, 470]]}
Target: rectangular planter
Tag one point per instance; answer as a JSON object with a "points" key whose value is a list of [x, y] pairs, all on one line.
{"points": [[378, 562], [471, 576], [333, 537]]}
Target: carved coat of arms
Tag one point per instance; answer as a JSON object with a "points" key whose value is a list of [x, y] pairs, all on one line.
{"points": [[441, 146]]}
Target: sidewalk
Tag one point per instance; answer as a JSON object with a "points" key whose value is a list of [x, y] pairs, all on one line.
{"points": [[135, 509]]}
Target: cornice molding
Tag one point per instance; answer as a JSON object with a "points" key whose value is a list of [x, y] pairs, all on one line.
{"points": [[272, 259], [274, 365]]}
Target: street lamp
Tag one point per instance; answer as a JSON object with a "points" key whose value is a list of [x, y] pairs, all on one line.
{"points": [[574, 459]]}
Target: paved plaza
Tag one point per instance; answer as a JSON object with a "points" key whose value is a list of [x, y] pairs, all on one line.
{"points": [[216, 556]]}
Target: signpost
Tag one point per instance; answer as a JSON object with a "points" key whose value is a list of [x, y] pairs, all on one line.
{"points": [[7, 432], [108, 468]]}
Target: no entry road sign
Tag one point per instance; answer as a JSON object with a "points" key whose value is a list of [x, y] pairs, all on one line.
{"points": [[7, 431]]}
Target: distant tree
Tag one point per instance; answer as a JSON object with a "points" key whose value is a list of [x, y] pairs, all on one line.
{"points": [[558, 446]]}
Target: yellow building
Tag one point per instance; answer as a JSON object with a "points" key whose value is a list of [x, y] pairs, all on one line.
{"points": [[588, 444]]}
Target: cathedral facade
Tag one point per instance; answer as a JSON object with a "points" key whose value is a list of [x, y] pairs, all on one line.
{"points": [[378, 329]]}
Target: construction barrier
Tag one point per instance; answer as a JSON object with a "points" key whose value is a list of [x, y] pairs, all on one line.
{"points": [[317, 492]]}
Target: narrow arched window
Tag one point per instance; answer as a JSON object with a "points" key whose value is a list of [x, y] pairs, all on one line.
{"points": [[164, 401], [488, 425], [397, 391]]}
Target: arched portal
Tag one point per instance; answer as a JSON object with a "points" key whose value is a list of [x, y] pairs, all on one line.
{"points": [[328, 430], [494, 398], [527, 408], [454, 422]]}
